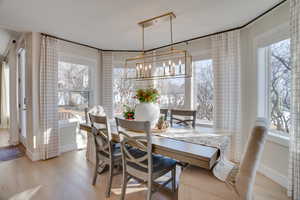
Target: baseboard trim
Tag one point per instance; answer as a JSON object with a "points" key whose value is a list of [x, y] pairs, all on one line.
{"points": [[274, 175], [33, 156]]}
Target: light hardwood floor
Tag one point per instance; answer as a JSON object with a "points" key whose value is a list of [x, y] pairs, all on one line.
{"points": [[70, 175], [4, 137]]}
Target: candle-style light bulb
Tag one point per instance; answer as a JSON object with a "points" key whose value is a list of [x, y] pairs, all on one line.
{"points": [[170, 66], [179, 66], [137, 71], [150, 66], [173, 68]]}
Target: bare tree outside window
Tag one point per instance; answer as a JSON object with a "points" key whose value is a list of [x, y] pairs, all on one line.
{"points": [[172, 92], [203, 90], [280, 86], [73, 89], [123, 91]]}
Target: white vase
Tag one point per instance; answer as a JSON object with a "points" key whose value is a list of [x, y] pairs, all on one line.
{"points": [[147, 112]]}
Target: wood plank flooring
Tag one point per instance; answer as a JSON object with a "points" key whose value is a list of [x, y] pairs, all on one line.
{"points": [[69, 177]]}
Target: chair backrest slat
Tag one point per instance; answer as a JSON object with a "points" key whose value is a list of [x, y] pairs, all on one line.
{"points": [[185, 113], [143, 142], [102, 136]]}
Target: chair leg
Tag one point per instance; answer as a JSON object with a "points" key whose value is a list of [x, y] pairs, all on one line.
{"points": [[110, 177], [124, 185], [149, 193], [174, 179], [96, 171]]}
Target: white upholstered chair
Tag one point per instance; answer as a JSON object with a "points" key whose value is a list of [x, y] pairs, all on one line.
{"points": [[200, 184]]}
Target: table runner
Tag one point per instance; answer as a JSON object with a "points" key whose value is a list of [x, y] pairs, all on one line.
{"points": [[223, 167]]}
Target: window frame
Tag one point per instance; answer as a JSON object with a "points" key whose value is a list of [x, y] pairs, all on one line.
{"points": [[199, 59], [261, 46], [72, 59]]}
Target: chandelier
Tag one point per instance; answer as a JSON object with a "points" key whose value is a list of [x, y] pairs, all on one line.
{"points": [[171, 63]]}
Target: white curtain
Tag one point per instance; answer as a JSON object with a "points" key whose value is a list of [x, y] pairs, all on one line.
{"points": [[226, 71], [294, 159], [4, 95], [49, 137], [107, 84]]}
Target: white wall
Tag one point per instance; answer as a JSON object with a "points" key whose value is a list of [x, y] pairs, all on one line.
{"points": [[275, 157]]}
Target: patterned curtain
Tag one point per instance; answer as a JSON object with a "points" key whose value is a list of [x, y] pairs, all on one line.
{"points": [[294, 159], [49, 140], [107, 88], [4, 95], [226, 71]]}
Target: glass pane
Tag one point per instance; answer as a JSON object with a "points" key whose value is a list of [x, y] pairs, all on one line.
{"points": [[73, 76], [203, 87], [123, 90], [280, 86], [172, 92]]}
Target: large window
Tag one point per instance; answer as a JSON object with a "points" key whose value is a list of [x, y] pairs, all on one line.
{"points": [[280, 86], [73, 89], [277, 61], [203, 91], [172, 92], [123, 91]]}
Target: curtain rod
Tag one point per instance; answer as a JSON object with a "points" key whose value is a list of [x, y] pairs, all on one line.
{"points": [[225, 31], [184, 41], [85, 45]]}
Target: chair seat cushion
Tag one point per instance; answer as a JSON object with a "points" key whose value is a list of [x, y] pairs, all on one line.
{"points": [[160, 163], [197, 183], [116, 151]]}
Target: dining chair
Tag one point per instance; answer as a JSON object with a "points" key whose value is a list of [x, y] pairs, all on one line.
{"points": [[107, 153], [164, 112], [201, 184], [138, 160], [176, 114]]}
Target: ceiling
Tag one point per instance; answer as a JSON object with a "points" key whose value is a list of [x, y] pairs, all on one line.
{"points": [[113, 24], [5, 37]]}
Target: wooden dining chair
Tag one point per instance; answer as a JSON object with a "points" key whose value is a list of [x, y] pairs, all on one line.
{"points": [[176, 114], [164, 112], [107, 153], [138, 160]]}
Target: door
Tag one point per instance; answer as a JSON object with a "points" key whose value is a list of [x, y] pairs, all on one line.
{"points": [[22, 95]]}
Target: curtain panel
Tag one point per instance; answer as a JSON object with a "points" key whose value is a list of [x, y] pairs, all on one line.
{"points": [[49, 136], [294, 159], [226, 72], [4, 95], [107, 84]]}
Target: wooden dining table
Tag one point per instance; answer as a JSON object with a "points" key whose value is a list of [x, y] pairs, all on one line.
{"points": [[195, 154]]}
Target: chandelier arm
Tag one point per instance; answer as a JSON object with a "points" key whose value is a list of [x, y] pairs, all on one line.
{"points": [[143, 37], [171, 31]]}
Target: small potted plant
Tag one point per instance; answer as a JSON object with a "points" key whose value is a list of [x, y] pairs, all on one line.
{"points": [[148, 108], [128, 112]]}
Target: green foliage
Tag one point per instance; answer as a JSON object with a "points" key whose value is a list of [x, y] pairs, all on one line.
{"points": [[149, 95], [128, 112]]}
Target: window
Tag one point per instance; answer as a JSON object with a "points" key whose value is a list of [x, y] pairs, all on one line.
{"points": [[280, 86], [172, 92], [277, 61], [123, 91], [73, 89], [203, 91]]}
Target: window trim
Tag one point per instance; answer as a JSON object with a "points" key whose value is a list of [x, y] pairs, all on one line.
{"points": [[261, 43], [199, 59]]}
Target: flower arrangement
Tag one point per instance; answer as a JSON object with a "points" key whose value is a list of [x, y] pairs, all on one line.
{"points": [[149, 95], [128, 112]]}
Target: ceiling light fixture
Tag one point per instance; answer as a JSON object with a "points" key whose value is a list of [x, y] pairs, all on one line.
{"points": [[171, 63]]}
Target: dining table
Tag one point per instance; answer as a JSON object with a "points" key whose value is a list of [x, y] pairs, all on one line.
{"points": [[176, 143]]}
